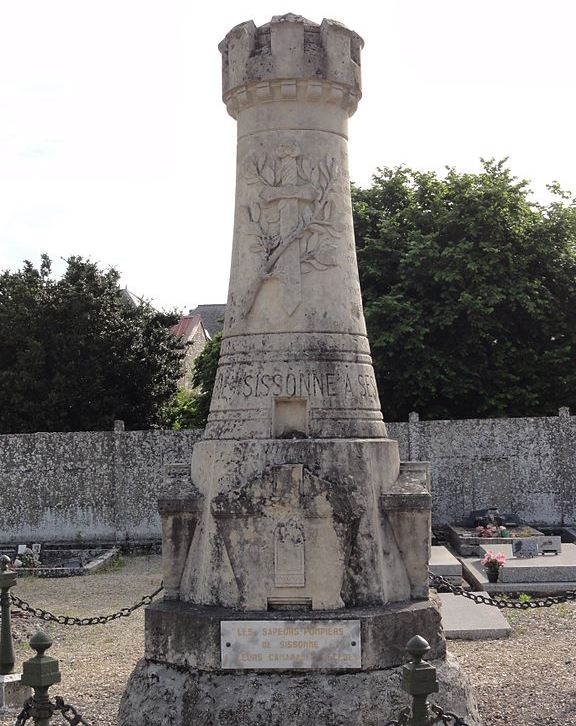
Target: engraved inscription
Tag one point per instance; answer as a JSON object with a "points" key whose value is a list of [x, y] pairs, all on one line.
{"points": [[290, 644], [304, 383], [289, 555]]}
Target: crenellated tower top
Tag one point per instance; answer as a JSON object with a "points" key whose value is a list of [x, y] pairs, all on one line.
{"points": [[291, 58]]}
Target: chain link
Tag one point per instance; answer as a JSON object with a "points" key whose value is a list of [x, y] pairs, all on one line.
{"points": [[441, 717], [25, 714], [436, 581], [442, 584], [68, 712], [96, 620], [446, 717]]}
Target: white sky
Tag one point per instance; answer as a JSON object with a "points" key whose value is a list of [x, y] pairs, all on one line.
{"points": [[115, 145]]}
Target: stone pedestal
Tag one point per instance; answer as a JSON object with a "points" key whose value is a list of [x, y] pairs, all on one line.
{"points": [[298, 509], [162, 695]]}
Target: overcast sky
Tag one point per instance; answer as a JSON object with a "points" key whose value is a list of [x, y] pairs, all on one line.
{"points": [[115, 145]]}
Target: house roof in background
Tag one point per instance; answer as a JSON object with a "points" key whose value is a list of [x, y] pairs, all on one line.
{"points": [[212, 317], [132, 299], [187, 326]]}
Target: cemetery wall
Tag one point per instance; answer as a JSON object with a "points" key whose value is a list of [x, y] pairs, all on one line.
{"points": [[86, 485], [521, 465], [104, 485]]}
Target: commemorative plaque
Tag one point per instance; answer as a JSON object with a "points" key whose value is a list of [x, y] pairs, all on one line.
{"points": [[290, 644]]}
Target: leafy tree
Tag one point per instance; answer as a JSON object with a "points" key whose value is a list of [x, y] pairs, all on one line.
{"points": [[469, 290], [74, 355], [190, 409], [180, 412], [205, 367]]}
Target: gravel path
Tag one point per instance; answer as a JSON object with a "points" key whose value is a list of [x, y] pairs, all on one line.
{"points": [[527, 680]]}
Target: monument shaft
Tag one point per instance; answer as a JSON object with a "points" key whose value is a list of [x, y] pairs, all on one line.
{"points": [[295, 358]]}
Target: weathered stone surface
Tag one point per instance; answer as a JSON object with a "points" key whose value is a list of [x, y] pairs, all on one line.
{"points": [[346, 562], [88, 485], [295, 439], [13, 693], [443, 563], [519, 465], [189, 636], [161, 695]]}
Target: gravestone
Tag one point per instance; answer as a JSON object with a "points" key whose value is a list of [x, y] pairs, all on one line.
{"points": [[550, 545], [525, 548], [299, 550]]}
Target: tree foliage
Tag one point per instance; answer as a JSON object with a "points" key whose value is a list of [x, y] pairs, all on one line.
{"points": [[469, 290], [75, 356], [190, 409]]}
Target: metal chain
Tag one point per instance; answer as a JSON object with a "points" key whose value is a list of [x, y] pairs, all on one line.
{"points": [[442, 583], [96, 620], [441, 717], [447, 717], [68, 712], [25, 714]]}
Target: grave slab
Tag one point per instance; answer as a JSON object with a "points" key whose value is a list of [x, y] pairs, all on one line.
{"points": [[544, 573], [444, 564], [463, 619]]}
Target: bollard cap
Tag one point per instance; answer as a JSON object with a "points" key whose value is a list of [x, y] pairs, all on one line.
{"points": [[418, 676], [41, 670], [40, 642], [417, 647]]}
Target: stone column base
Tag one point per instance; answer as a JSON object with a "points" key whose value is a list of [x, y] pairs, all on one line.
{"points": [[188, 636], [180, 682], [163, 695]]}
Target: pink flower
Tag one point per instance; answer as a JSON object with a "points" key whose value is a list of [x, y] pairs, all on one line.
{"points": [[492, 561]]}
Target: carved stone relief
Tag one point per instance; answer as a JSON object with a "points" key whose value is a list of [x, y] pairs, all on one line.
{"points": [[289, 555], [290, 219]]}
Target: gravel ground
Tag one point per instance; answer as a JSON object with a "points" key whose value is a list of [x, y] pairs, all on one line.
{"points": [[527, 680]]}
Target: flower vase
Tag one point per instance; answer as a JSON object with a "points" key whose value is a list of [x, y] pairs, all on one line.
{"points": [[492, 575]]}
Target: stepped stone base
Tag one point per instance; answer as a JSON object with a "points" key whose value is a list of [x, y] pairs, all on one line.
{"points": [[188, 636], [180, 682], [162, 695]]}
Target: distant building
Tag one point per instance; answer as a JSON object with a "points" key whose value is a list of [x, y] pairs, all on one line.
{"points": [[195, 329], [212, 317], [195, 336], [133, 300]]}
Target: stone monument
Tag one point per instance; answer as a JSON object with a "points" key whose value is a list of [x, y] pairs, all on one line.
{"points": [[295, 561]]}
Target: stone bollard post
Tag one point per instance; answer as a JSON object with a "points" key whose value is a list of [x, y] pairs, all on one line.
{"points": [[41, 672], [419, 680], [7, 581]]}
